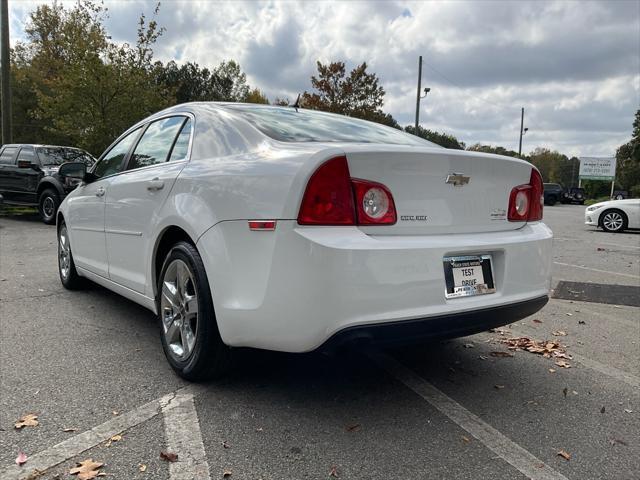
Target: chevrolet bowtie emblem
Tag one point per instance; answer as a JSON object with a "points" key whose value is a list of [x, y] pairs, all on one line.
{"points": [[457, 179]]}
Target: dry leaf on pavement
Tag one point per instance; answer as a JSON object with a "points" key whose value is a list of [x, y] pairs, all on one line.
{"points": [[465, 439], [115, 438], [501, 354], [352, 427], [168, 456], [142, 467], [498, 387], [334, 472], [227, 473], [87, 469], [613, 441], [69, 429], [552, 370], [535, 320], [560, 333], [28, 420], [564, 454], [563, 364], [468, 345], [21, 459], [602, 410]]}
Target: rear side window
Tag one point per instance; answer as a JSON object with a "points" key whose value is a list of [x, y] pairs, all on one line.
{"points": [[27, 155], [6, 157], [156, 142], [112, 161], [181, 147]]}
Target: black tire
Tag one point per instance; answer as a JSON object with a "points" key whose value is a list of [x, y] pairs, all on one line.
{"points": [[48, 204], [610, 226], [209, 357], [70, 281]]}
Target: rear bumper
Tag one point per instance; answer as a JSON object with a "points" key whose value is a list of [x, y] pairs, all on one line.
{"points": [[435, 328], [294, 288]]}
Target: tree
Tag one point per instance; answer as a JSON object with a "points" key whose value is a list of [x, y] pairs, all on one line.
{"points": [[628, 160], [357, 95], [491, 149], [88, 89], [443, 139], [256, 96]]}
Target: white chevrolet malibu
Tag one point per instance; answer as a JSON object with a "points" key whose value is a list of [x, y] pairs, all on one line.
{"points": [[287, 229]]}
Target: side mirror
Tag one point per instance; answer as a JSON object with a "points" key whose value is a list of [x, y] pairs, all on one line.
{"points": [[73, 170], [27, 164]]}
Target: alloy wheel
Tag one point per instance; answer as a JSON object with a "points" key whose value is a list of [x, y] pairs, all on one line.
{"points": [[613, 221], [64, 252], [48, 207], [179, 309]]}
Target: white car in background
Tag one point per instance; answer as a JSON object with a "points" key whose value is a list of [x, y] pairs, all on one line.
{"points": [[614, 215], [288, 229]]}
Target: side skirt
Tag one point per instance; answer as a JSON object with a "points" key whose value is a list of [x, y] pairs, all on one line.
{"points": [[132, 295]]}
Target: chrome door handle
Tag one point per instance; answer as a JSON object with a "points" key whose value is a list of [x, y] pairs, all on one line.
{"points": [[155, 184], [100, 192]]}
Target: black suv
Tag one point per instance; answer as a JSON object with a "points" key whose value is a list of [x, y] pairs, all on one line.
{"points": [[553, 193], [574, 195], [29, 176]]}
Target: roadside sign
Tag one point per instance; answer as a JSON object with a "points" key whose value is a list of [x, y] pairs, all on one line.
{"points": [[597, 168]]}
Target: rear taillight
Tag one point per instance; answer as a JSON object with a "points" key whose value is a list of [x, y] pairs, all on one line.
{"points": [[525, 201], [328, 199], [332, 197]]}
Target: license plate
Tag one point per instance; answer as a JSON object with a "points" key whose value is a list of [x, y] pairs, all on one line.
{"points": [[468, 275]]}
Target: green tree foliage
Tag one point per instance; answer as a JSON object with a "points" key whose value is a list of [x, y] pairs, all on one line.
{"points": [[443, 139], [491, 149], [628, 161], [358, 94], [256, 96], [88, 88]]}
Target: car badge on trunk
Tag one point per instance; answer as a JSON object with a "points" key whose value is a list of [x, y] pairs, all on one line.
{"points": [[457, 179]]}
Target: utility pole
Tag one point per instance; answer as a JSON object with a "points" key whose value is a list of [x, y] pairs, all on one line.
{"points": [[521, 130], [5, 94], [418, 94]]}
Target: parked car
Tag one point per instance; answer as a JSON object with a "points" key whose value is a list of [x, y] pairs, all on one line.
{"points": [[574, 195], [620, 195], [553, 193], [29, 176], [614, 215], [288, 229]]}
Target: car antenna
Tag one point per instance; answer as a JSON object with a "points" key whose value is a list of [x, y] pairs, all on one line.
{"points": [[297, 104]]}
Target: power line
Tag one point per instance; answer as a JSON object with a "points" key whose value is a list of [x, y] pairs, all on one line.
{"points": [[464, 90]]}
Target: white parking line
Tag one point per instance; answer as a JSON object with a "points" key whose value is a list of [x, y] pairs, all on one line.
{"points": [[183, 436], [597, 270], [77, 444], [509, 451], [597, 243]]}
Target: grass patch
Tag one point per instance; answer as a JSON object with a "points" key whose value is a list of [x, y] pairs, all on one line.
{"points": [[7, 210], [591, 201]]}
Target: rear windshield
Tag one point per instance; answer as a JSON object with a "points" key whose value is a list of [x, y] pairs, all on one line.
{"points": [[60, 155], [288, 124]]}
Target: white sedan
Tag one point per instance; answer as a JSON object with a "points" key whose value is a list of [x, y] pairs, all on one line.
{"points": [[615, 215], [287, 229]]}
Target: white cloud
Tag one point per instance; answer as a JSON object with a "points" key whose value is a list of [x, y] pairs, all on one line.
{"points": [[574, 66]]}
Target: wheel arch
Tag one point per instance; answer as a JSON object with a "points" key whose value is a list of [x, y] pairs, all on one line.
{"points": [[167, 238], [613, 209], [48, 182]]}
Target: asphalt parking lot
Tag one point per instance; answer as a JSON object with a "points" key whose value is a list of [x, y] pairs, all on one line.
{"points": [[91, 363]]}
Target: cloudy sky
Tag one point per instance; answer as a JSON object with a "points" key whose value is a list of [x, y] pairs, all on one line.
{"points": [[574, 66]]}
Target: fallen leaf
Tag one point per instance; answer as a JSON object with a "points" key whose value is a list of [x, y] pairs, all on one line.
{"points": [[628, 411], [560, 333], [501, 354], [602, 410], [564, 454], [227, 473], [28, 420], [142, 467], [69, 429], [116, 438], [535, 320], [465, 439], [468, 345], [21, 459], [569, 314], [563, 364], [482, 357], [225, 444], [600, 249], [86, 470], [259, 429], [353, 427], [115, 412], [613, 441], [564, 391], [498, 387], [334, 472], [169, 456], [552, 370], [581, 322]]}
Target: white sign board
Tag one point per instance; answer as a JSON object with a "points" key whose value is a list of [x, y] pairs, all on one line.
{"points": [[597, 168]]}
